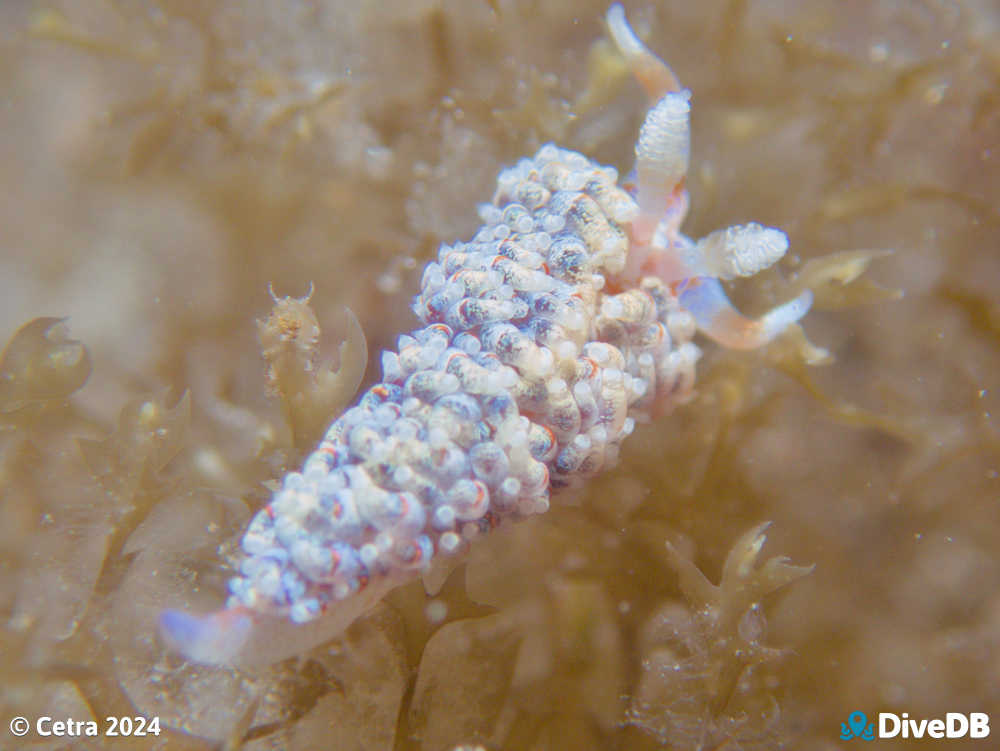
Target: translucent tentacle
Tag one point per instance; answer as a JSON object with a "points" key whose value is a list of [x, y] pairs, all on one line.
{"points": [[705, 299], [654, 74]]}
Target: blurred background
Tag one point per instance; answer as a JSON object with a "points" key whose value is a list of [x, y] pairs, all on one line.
{"points": [[163, 163]]}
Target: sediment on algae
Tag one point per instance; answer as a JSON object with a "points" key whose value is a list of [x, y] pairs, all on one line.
{"points": [[165, 164]]}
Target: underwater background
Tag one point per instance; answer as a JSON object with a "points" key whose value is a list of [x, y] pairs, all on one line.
{"points": [[164, 163]]}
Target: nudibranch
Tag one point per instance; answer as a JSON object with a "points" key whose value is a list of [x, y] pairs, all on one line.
{"points": [[566, 317]]}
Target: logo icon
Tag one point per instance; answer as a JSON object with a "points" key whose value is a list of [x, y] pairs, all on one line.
{"points": [[857, 726]]}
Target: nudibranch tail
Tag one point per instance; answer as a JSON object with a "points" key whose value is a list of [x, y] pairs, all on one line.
{"points": [[238, 636], [213, 639]]}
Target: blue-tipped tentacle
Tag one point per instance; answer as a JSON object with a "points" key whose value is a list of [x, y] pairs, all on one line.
{"points": [[715, 315]]}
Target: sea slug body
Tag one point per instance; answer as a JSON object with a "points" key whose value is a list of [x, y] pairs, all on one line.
{"points": [[566, 317]]}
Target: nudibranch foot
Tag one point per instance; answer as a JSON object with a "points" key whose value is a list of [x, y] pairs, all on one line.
{"points": [[244, 638], [214, 638]]}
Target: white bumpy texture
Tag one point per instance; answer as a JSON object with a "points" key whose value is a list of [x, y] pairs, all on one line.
{"points": [[663, 150], [742, 250], [529, 371]]}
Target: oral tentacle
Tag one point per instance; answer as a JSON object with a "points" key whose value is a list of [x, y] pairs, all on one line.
{"points": [[716, 317], [655, 75]]}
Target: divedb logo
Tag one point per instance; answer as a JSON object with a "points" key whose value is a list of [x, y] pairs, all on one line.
{"points": [[890, 725]]}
